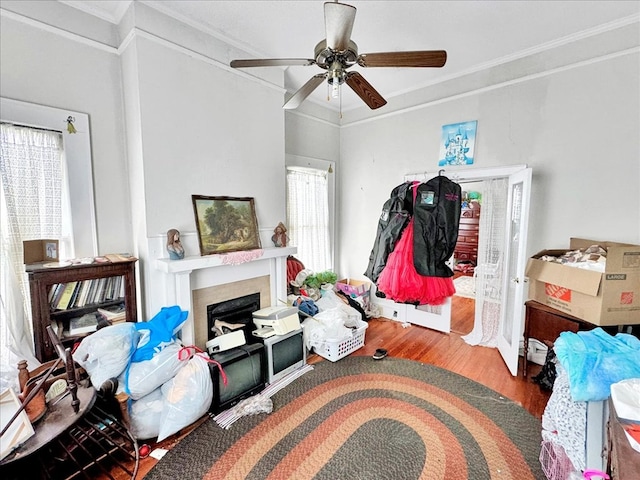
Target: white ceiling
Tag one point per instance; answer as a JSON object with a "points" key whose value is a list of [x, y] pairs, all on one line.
{"points": [[476, 34]]}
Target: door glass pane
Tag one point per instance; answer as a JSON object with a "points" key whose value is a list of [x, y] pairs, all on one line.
{"points": [[512, 268]]}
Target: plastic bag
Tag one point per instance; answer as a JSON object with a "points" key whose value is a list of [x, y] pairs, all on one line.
{"points": [[186, 397], [333, 322], [145, 414], [331, 301], [141, 378], [106, 353], [327, 325]]}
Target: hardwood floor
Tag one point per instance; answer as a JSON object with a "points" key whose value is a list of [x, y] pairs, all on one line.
{"points": [[448, 351]]}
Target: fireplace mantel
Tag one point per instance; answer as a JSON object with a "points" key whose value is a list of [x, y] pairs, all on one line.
{"points": [[180, 274], [197, 262]]}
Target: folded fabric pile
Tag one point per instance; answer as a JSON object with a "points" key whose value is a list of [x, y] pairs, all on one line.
{"points": [[593, 257], [594, 360]]}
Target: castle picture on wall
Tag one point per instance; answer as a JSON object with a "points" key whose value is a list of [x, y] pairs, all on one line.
{"points": [[457, 143]]}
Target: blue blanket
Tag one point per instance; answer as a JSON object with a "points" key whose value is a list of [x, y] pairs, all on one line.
{"points": [[594, 360]]}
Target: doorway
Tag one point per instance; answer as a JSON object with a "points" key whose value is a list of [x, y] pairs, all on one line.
{"points": [[499, 273], [465, 258]]}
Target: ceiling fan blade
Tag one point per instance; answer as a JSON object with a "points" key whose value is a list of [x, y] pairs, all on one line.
{"points": [[424, 58], [304, 91], [338, 23], [365, 91], [272, 62]]}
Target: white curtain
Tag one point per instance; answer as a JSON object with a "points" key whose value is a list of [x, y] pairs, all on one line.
{"points": [[308, 217], [33, 203], [490, 267]]}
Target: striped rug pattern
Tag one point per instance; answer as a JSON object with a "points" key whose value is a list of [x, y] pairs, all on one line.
{"points": [[359, 418]]}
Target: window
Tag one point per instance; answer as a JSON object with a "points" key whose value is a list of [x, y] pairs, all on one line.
{"points": [[309, 216], [45, 182]]}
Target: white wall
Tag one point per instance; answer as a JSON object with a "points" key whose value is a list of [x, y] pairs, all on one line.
{"points": [[168, 117], [578, 128], [45, 68], [166, 99]]}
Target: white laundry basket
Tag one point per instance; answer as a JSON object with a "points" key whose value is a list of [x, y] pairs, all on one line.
{"points": [[334, 350]]}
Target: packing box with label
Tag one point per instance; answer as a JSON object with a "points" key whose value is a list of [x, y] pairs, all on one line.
{"points": [[609, 298]]}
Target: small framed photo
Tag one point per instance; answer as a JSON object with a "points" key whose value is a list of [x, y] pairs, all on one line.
{"points": [[225, 224]]}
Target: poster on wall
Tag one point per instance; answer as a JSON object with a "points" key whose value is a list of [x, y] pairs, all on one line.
{"points": [[457, 143]]}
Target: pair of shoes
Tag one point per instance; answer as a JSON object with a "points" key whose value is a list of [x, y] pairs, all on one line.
{"points": [[380, 354], [220, 327]]}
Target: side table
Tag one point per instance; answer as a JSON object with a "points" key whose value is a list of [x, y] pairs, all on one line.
{"points": [[546, 324], [67, 444]]}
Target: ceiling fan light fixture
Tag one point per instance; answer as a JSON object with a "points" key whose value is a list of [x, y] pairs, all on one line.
{"points": [[335, 89], [337, 53]]}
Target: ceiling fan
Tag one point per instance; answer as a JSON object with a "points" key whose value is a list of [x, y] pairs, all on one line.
{"points": [[337, 53]]}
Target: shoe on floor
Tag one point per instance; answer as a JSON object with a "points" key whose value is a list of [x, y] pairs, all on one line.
{"points": [[380, 354]]}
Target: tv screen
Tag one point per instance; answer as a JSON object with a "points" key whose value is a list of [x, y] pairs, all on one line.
{"points": [[245, 369], [285, 353]]}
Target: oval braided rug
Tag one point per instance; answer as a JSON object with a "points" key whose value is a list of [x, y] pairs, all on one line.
{"points": [[359, 418]]}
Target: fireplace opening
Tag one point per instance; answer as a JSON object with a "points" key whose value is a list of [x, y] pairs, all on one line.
{"points": [[234, 311]]}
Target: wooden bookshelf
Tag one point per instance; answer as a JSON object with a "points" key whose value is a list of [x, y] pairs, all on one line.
{"points": [[45, 311]]}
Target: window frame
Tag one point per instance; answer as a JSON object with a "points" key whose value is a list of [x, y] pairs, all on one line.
{"points": [[326, 166], [77, 147]]}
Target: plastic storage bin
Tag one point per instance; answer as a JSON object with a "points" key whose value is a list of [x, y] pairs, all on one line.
{"points": [[334, 350]]}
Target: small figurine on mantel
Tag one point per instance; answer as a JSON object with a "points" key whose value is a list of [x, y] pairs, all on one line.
{"points": [[174, 246], [279, 237]]}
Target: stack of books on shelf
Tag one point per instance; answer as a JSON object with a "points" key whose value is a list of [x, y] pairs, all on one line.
{"points": [[113, 315], [65, 296], [87, 323]]}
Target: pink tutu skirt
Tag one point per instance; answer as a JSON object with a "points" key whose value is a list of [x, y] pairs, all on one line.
{"points": [[400, 281]]}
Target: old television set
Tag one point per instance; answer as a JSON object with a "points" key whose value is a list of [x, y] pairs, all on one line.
{"points": [[245, 368], [285, 353]]}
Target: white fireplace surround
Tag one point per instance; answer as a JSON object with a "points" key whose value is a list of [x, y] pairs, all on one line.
{"points": [[196, 272]]}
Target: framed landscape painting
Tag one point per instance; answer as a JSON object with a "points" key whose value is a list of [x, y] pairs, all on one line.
{"points": [[225, 224]]}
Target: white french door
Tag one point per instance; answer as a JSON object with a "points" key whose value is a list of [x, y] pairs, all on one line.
{"points": [[516, 229], [499, 317]]}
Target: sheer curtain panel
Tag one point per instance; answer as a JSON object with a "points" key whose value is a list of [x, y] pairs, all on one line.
{"points": [[308, 217], [34, 205]]}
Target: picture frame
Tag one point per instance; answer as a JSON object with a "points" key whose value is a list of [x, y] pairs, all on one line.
{"points": [[457, 144], [225, 224]]}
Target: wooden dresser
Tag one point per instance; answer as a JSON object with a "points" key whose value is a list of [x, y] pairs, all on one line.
{"points": [[467, 245], [546, 324]]}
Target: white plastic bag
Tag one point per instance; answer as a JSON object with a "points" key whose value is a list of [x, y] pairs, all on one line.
{"points": [[145, 414], [144, 377], [330, 301], [106, 353], [625, 396], [333, 322], [186, 397]]}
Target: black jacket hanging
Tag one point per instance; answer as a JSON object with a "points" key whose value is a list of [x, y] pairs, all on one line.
{"points": [[396, 213], [436, 222]]}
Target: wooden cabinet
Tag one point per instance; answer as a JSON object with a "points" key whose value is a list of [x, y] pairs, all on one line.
{"points": [[623, 462], [546, 324], [41, 282], [467, 245]]}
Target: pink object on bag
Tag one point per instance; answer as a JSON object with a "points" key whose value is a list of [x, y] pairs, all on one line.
{"points": [[591, 474]]}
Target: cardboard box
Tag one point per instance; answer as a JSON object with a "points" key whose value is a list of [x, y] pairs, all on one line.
{"points": [[40, 251], [609, 298], [356, 288]]}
